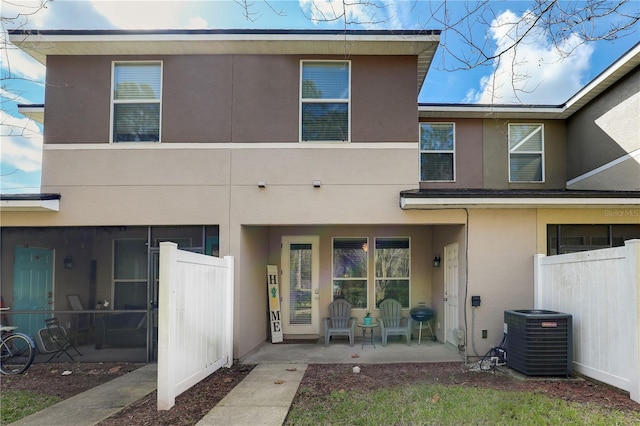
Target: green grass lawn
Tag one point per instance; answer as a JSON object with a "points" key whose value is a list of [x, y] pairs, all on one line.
{"points": [[15, 405], [449, 405]]}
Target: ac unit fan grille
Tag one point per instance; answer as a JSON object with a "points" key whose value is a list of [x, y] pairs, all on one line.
{"points": [[539, 343]]}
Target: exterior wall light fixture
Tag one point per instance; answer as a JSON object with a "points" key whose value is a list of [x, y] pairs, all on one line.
{"points": [[436, 261], [68, 262]]}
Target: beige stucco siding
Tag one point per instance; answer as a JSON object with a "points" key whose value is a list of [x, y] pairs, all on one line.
{"points": [[501, 249]]}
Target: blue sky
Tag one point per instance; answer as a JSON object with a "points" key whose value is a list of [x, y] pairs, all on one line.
{"points": [[550, 80]]}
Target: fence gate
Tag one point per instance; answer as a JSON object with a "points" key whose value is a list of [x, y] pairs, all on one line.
{"points": [[195, 319]]}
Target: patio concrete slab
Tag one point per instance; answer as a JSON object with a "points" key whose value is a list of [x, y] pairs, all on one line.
{"points": [[339, 352]]}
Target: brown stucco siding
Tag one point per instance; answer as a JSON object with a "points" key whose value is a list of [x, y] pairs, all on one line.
{"points": [[468, 155], [384, 99], [496, 155], [265, 98], [196, 98], [77, 96], [224, 98]]}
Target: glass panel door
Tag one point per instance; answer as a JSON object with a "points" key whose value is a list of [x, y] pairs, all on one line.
{"points": [[300, 285]]}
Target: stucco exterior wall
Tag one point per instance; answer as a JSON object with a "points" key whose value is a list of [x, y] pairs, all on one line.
{"points": [[230, 98], [469, 159], [605, 129], [501, 249], [603, 133], [496, 155]]}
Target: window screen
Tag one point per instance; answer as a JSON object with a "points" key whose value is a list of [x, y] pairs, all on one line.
{"points": [[136, 101], [324, 101]]}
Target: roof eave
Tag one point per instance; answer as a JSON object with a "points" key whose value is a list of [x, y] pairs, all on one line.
{"points": [[33, 111], [412, 203]]}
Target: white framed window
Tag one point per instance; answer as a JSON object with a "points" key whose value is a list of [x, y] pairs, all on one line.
{"points": [[325, 101], [526, 152], [351, 270], [437, 152], [393, 269], [136, 101]]}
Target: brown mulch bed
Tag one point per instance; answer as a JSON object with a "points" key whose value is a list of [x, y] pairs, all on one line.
{"points": [[321, 379]]}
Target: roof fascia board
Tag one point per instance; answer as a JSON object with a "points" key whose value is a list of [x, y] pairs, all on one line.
{"points": [[477, 110], [30, 205], [632, 57], [412, 203]]}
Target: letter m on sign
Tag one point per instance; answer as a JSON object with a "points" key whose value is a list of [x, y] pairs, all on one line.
{"points": [[274, 304]]}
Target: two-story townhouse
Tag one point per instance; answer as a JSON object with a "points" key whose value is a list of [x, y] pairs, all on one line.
{"points": [[306, 150]]}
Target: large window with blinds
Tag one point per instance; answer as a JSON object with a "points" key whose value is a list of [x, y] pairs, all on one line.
{"points": [[393, 260], [437, 152], [325, 97], [350, 270], [136, 101], [526, 152]]}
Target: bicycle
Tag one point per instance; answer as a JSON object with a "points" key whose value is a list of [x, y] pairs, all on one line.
{"points": [[17, 350]]}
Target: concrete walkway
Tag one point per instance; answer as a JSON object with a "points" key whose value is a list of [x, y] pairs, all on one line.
{"points": [[95, 405], [262, 398]]}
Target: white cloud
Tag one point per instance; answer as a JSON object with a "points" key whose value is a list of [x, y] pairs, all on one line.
{"points": [[141, 14], [536, 71], [20, 143]]}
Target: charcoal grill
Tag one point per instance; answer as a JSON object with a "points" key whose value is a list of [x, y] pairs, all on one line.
{"points": [[423, 314]]}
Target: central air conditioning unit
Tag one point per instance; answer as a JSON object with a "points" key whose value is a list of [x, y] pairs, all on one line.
{"points": [[539, 342]]}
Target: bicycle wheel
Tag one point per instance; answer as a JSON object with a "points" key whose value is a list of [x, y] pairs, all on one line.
{"points": [[16, 354]]}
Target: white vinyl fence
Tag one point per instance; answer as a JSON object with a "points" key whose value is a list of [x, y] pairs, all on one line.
{"points": [[195, 319], [600, 289]]}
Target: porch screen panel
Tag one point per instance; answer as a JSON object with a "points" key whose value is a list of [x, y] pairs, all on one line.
{"points": [[300, 291], [130, 274]]}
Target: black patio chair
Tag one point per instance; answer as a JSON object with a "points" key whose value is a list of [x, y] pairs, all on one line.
{"points": [[53, 340]]}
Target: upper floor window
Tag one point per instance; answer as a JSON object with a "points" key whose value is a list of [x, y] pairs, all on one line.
{"points": [[437, 152], [526, 153], [136, 100], [325, 95]]}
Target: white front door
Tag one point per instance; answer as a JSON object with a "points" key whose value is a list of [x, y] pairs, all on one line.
{"points": [[451, 293], [299, 284]]}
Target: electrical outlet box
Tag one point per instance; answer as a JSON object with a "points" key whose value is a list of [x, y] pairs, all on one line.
{"points": [[475, 300]]}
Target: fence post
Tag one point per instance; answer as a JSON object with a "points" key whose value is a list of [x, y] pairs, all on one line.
{"points": [[166, 363], [538, 281], [633, 262], [229, 289]]}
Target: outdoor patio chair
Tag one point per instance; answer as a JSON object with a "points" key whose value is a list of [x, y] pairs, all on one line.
{"points": [[339, 322], [391, 321], [53, 340]]}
